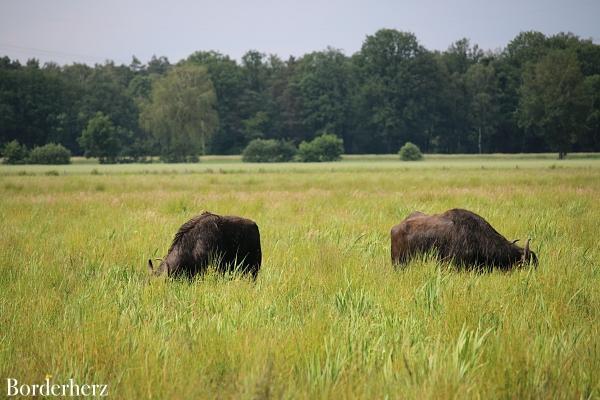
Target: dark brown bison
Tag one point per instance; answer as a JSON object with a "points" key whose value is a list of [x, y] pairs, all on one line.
{"points": [[458, 236], [227, 242]]}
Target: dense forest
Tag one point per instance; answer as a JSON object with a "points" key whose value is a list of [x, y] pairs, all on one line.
{"points": [[540, 93]]}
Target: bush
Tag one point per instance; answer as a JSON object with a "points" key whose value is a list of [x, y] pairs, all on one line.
{"points": [[270, 150], [14, 153], [410, 152], [169, 157], [326, 147], [50, 154]]}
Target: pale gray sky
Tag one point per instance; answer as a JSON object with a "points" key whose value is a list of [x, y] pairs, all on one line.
{"points": [[95, 30]]}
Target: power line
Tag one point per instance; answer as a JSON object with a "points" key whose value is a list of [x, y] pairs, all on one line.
{"points": [[61, 54]]}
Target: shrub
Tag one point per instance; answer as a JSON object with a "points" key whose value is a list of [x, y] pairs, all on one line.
{"points": [[14, 153], [410, 152], [326, 147], [169, 156], [50, 154], [269, 150]]}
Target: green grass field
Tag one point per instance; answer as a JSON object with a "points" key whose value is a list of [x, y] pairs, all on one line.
{"points": [[328, 316]]}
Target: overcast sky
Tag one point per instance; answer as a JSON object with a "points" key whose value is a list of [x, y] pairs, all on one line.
{"points": [[92, 31]]}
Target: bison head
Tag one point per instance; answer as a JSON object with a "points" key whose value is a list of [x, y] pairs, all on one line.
{"points": [[528, 256], [163, 268]]}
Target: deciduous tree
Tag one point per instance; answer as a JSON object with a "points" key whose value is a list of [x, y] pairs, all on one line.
{"points": [[181, 112], [554, 101]]}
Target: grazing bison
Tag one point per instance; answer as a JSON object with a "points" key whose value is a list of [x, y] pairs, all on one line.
{"points": [[227, 242], [459, 236]]}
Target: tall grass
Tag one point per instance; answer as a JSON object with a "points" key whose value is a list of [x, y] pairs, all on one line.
{"points": [[328, 316]]}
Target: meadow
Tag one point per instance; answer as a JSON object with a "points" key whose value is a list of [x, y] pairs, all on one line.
{"points": [[328, 316]]}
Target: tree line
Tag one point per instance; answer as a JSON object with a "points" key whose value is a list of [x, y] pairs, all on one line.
{"points": [[540, 93]]}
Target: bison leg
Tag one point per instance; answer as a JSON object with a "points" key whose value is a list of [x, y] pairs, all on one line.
{"points": [[200, 266], [252, 264]]}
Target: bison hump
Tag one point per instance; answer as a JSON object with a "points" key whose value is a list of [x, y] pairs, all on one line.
{"points": [[197, 222]]}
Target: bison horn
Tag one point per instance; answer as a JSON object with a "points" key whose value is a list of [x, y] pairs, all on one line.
{"points": [[515, 241], [526, 252], [150, 266]]}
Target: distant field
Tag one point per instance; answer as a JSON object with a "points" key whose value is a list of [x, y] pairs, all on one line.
{"points": [[233, 164], [328, 316]]}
